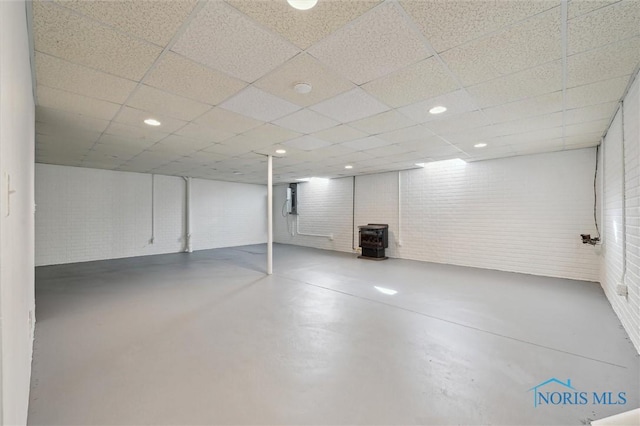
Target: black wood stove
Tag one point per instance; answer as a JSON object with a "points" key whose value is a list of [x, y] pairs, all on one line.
{"points": [[374, 238]]}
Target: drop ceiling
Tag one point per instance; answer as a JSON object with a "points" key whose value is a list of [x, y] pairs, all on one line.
{"points": [[523, 77]]}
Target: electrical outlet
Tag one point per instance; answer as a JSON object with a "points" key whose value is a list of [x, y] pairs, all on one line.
{"points": [[622, 290]]}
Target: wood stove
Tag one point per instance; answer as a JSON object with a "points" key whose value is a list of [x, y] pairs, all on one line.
{"points": [[374, 238]]}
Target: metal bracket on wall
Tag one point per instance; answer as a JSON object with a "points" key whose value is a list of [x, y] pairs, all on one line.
{"points": [[9, 192]]}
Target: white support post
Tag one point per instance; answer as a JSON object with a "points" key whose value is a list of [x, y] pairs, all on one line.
{"points": [[270, 215], [187, 215]]}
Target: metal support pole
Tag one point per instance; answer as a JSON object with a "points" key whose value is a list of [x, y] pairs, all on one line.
{"points": [[270, 215]]}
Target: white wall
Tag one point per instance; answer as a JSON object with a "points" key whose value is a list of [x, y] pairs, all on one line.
{"points": [[228, 214], [621, 194], [89, 214], [16, 229], [522, 214]]}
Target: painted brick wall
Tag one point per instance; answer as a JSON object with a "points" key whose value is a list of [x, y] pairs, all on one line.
{"points": [[89, 214], [325, 208], [228, 214], [379, 208], [521, 214], [621, 236]]}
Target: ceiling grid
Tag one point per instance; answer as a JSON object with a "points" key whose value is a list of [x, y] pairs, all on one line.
{"points": [[516, 78]]}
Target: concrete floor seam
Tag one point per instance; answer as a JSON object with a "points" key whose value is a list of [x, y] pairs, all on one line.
{"points": [[458, 324]]}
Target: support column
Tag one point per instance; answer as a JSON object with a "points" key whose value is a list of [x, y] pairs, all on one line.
{"points": [[269, 215]]}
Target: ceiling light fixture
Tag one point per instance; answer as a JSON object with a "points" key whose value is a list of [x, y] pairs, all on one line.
{"points": [[348, 166], [480, 145], [152, 122], [281, 151], [437, 110], [302, 88], [302, 4]]}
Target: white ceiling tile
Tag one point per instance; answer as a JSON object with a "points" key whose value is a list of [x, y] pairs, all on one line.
{"points": [[181, 76], [365, 143], [155, 21], [204, 133], [350, 106], [228, 121], [422, 80], [597, 126], [529, 124], [136, 117], [603, 26], [70, 102], [449, 23], [156, 101], [60, 32], [425, 143], [227, 149], [341, 133], [217, 35], [376, 44], [514, 49], [124, 141], [590, 139], [536, 81], [614, 60], [306, 121], [307, 143], [123, 151], [178, 145], [303, 68], [60, 74], [255, 103], [460, 122], [387, 151], [331, 151], [544, 104], [204, 157], [456, 103], [596, 93], [269, 134], [134, 134], [303, 28], [581, 7], [383, 122], [69, 121], [407, 134], [591, 113]]}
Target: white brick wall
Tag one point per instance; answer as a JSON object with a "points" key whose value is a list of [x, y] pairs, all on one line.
{"points": [[324, 208], [623, 190], [521, 214], [89, 214], [228, 214]]}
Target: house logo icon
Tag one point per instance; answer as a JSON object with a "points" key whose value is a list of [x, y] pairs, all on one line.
{"points": [[540, 397], [556, 392]]}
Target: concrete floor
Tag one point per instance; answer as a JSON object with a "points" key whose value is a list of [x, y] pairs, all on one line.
{"points": [[207, 338]]}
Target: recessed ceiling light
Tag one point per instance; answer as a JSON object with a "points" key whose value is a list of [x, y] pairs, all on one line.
{"points": [[152, 122], [480, 145], [302, 4], [302, 88], [437, 110], [281, 151], [349, 166]]}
